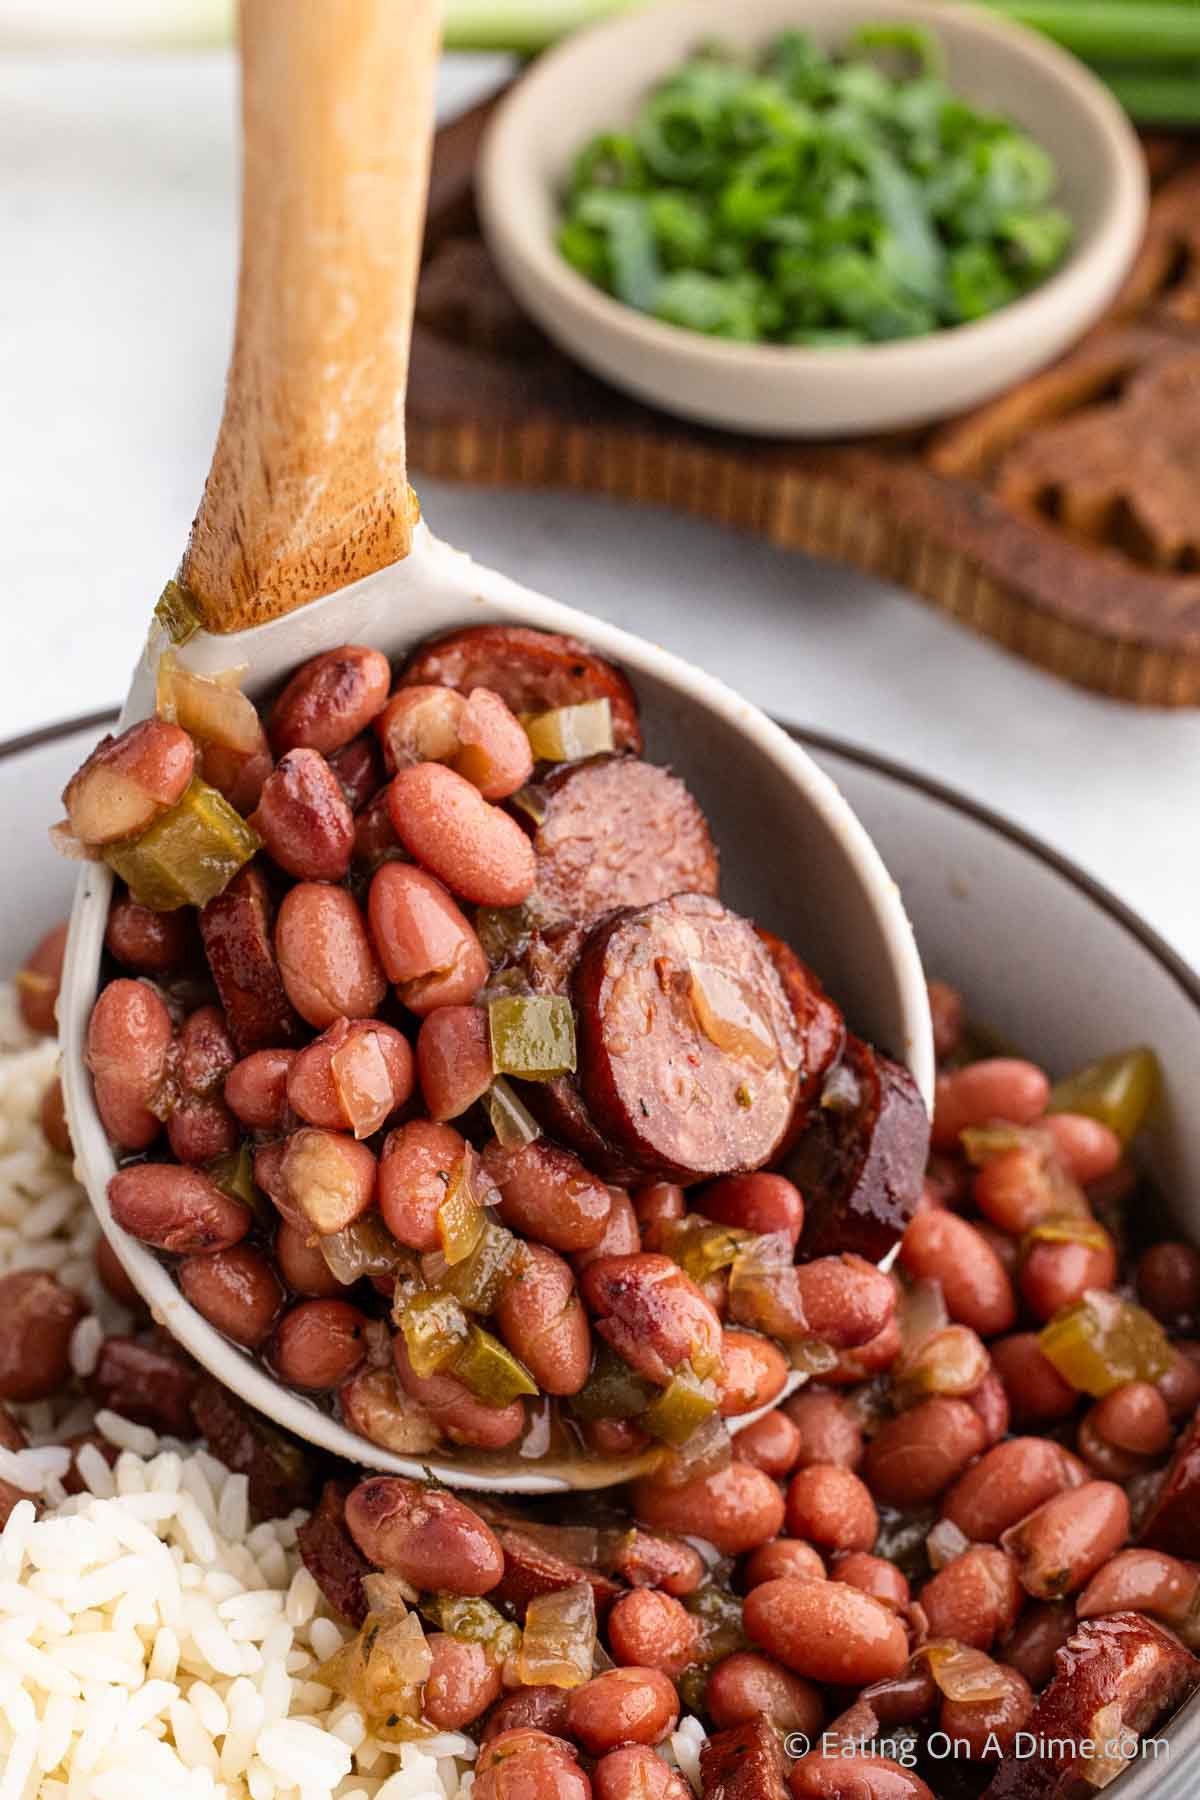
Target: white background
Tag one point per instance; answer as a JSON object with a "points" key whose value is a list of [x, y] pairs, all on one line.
{"points": [[117, 261]]}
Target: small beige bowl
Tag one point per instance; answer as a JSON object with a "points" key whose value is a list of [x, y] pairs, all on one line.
{"points": [[595, 81]]}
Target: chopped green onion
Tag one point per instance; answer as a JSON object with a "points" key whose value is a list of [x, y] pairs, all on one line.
{"points": [[177, 613]]}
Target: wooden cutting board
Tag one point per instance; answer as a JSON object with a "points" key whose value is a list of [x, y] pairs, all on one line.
{"points": [[1062, 520]]}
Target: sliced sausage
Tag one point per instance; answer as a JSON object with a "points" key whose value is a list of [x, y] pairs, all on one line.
{"points": [[618, 832], [689, 1060], [332, 1557], [819, 1026], [236, 929], [532, 671], [861, 1163], [743, 1763], [1171, 1525]]}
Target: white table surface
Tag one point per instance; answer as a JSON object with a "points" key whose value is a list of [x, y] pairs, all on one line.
{"points": [[117, 259]]}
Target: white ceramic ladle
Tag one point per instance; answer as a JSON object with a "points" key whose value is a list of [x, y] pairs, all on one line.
{"points": [[307, 538]]}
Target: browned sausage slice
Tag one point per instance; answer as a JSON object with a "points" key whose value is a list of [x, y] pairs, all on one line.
{"points": [[279, 1470], [332, 1557], [744, 1763], [861, 1163], [532, 671], [236, 928], [531, 1569], [1116, 1674], [688, 1057], [618, 832], [1173, 1524], [819, 1025]]}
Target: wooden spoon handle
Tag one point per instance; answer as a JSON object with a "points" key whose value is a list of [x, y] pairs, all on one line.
{"points": [[308, 490]]}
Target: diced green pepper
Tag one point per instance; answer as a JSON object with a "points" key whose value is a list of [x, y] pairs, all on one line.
{"points": [[532, 1035], [473, 1621], [477, 1280], [567, 733], [435, 1329], [983, 1143], [493, 1374], [1102, 1342], [511, 1119], [701, 1248], [177, 613], [233, 1173], [1118, 1091], [680, 1409], [612, 1390], [1067, 1229], [460, 1218], [189, 855]]}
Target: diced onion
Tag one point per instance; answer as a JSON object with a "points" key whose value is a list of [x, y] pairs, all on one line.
{"points": [[707, 1450], [211, 708], [512, 1121], [364, 1247], [920, 1312], [559, 1644], [944, 1543], [567, 733], [363, 1082], [963, 1673]]}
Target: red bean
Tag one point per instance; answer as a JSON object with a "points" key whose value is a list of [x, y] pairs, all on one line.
{"points": [[256, 1089], [420, 725], [358, 766], [651, 1314], [651, 1630], [1037, 1637], [1037, 1393], [846, 1301], [112, 1273], [647, 1559], [837, 1777], [38, 981], [756, 1372], [1006, 1247], [757, 1202], [454, 1058], [635, 1773], [620, 1236], [424, 941], [52, 1116], [150, 943], [1134, 1418], [874, 1575], [1180, 1386], [748, 1686], [829, 1430], [237, 1290], [832, 1508], [462, 1682], [990, 1401], [37, 1316], [975, 1598], [736, 1509], [1144, 1581], [325, 956], [950, 1361], [987, 1728], [303, 818], [176, 1209], [542, 1708], [782, 1557], [419, 1161], [529, 1765], [826, 1631], [448, 827], [867, 1360], [353, 1077], [541, 1319], [128, 1038], [771, 1443], [657, 1205], [1022, 1186], [622, 1706], [302, 1265], [914, 1457], [319, 1343], [325, 1181], [373, 1403], [455, 1410], [1168, 1280], [128, 781], [1059, 1547], [547, 1194], [941, 1247], [1055, 1275], [330, 699], [1000, 1087], [426, 1535], [1010, 1481], [201, 1127], [494, 753], [1087, 1147]]}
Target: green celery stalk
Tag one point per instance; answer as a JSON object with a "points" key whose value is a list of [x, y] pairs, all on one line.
{"points": [[521, 27], [1153, 98], [1115, 31]]}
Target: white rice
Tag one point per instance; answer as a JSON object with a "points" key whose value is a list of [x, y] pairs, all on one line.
{"points": [[152, 1643]]}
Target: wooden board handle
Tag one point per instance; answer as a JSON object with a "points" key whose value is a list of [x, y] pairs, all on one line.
{"points": [[308, 490]]}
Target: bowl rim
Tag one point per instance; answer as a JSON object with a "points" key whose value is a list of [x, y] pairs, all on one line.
{"points": [[1090, 271]]}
